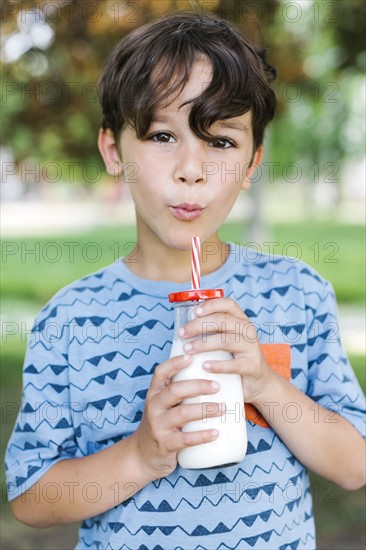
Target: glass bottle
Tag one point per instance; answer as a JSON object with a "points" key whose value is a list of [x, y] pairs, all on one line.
{"points": [[231, 444]]}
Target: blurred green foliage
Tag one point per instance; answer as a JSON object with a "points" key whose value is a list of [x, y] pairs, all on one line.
{"points": [[50, 106]]}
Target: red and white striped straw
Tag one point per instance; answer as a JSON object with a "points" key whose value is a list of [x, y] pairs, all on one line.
{"points": [[195, 267]]}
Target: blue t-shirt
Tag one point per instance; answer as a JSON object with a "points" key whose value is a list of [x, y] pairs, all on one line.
{"points": [[88, 366]]}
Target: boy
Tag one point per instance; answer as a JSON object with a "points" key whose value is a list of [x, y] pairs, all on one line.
{"points": [[185, 101]]}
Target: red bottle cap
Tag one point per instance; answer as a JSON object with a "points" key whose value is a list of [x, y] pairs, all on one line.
{"points": [[197, 294]]}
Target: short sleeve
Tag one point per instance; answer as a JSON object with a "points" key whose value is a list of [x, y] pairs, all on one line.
{"points": [[332, 381], [43, 433]]}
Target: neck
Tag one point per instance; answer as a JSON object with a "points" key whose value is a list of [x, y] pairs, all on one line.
{"points": [[157, 261]]}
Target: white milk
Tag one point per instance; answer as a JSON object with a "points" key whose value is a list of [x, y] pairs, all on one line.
{"points": [[231, 445]]}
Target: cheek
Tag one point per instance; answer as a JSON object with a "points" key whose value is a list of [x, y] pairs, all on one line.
{"points": [[231, 174], [228, 188], [147, 191]]}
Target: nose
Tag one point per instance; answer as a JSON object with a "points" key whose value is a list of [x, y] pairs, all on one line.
{"points": [[190, 162]]}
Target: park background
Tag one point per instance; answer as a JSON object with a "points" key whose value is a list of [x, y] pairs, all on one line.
{"points": [[64, 217]]}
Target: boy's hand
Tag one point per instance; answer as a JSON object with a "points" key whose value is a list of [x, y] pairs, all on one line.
{"points": [[222, 325], [158, 437]]}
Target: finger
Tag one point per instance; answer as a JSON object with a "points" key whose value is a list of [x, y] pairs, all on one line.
{"points": [[211, 324], [179, 440], [234, 366], [220, 305], [238, 342], [176, 392], [165, 371], [185, 413]]}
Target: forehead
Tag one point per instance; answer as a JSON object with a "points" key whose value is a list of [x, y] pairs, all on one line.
{"points": [[165, 113], [242, 123], [199, 78], [173, 93]]}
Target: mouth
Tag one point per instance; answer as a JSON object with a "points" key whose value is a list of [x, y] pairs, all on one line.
{"points": [[187, 211]]}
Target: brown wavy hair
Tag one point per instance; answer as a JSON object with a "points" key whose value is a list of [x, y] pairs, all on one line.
{"points": [[154, 61]]}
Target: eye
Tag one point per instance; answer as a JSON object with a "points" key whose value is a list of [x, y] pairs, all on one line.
{"points": [[222, 143], [161, 137]]}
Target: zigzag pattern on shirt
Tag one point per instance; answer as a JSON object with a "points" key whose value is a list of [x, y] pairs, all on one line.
{"points": [[323, 336], [69, 448], [296, 372], [133, 331], [252, 541], [100, 380], [103, 273], [164, 505], [280, 290], [343, 379], [56, 369], [97, 321], [68, 288], [31, 470], [260, 265], [202, 531], [94, 320], [274, 273], [328, 398], [93, 301], [103, 422], [312, 274], [322, 317], [53, 313], [326, 356], [62, 424], [109, 357], [293, 545], [203, 480], [252, 314], [113, 401], [168, 342]]}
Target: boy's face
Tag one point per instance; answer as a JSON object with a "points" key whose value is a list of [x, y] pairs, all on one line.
{"points": [[181, 185]]}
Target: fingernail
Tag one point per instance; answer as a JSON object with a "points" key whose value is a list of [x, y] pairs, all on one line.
{"points": [[207, 366], [215, 385], [187, 347], [181, 332], [186, 358], [198, 311], [215, 434]]}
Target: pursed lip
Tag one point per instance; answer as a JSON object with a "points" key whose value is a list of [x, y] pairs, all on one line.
{"points": [[187, 211]]}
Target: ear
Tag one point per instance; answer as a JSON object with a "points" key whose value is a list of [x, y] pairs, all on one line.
{"points": [[109, 151], [252, 168]]}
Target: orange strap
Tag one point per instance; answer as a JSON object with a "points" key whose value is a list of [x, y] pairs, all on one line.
{"points": [[278, 357]]}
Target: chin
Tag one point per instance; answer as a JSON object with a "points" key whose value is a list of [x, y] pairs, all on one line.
{"points": [[181, 242], [183, 247]]}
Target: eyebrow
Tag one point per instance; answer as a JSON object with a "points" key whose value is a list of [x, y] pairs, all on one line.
{"points": [[233, 125], [157, 118], [222, 123]]}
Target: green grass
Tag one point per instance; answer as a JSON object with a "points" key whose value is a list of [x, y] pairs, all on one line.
{"points": [[34, 269], [336, 251], [339, 515]]}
